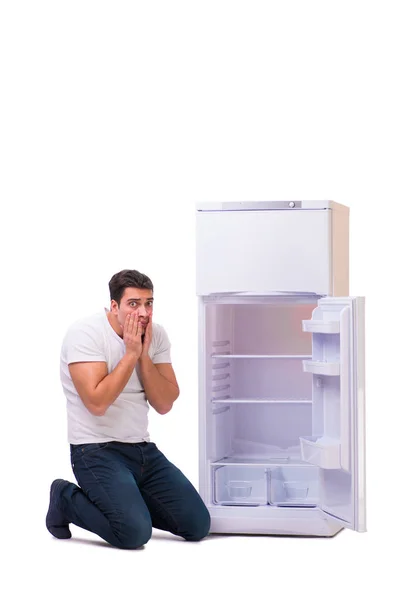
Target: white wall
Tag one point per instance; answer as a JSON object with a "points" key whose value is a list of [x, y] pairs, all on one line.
{"points": [[116, 118]]}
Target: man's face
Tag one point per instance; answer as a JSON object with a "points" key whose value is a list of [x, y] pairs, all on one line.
{"points": [[133, 301]]}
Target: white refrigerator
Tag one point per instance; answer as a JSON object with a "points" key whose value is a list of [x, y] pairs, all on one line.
{"points": [[281, 369]]}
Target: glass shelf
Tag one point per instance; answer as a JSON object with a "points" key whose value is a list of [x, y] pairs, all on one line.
{"points": [[227, 355], [267, 462], [261, 401]]}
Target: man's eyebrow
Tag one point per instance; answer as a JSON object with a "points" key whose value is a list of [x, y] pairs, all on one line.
{"points": [[138, 299]]}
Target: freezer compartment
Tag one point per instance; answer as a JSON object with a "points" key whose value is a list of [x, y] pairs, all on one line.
{"points": [[294, 486], [321, 451], [245, 486], [256, 250]]}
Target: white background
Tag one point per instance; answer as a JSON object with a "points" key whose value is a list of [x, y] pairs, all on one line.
{"points": [[116, 118]]}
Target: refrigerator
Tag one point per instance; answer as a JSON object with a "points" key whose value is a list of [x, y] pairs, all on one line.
{"points": [[281, 369]]}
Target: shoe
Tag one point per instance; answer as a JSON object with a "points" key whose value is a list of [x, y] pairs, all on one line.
{"points": [[55, 520]]}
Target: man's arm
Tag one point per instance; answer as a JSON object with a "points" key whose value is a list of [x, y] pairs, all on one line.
{"points": [[159, 383], [98, 389]]}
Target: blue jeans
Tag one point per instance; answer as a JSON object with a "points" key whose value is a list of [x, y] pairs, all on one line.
{"points": [[126, 489]]}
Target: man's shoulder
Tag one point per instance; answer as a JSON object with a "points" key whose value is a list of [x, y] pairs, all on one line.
{"points": [[160, 336], [158, 330], [93, 323]]}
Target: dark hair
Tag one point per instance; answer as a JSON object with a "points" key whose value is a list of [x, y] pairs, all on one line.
{"points": [[127, 278]]}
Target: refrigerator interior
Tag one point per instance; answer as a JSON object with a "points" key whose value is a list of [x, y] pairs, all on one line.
{"points": [[265, 409]]}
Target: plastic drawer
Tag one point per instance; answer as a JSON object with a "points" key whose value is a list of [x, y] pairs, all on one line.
{"points": [[240, 485]]}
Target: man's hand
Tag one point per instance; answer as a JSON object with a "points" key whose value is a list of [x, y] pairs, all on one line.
{"points": [[147, 338], [132, 335]]}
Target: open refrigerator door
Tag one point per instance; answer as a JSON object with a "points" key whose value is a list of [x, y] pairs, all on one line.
{"points": [[337, 444]]}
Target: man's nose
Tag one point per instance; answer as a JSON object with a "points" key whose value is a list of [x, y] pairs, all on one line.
{"points": [[142, 311]]}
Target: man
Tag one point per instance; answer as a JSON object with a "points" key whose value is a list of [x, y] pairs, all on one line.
{"points": [[113, 365]]}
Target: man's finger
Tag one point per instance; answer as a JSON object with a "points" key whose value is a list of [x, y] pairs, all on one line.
{"points": [[138, 324], [127, 324]]}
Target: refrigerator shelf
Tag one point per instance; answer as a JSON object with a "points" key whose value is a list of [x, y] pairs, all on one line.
{"points": [[314, 326], [321, 452], [261, 355], [260, 401], [319, 367], [262, 462]]}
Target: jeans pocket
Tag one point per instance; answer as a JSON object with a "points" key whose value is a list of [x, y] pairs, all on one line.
{"points": [[80, 450]]}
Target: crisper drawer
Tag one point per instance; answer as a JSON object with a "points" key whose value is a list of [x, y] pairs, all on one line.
{"points": [[257, 251], [294, 486], [242, 485]]}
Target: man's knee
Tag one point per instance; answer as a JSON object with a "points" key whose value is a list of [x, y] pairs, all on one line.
{"points": [[134, 536], [198, 526]]}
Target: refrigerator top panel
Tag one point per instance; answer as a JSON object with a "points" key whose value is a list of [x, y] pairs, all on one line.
{"points": [[270, 205]]}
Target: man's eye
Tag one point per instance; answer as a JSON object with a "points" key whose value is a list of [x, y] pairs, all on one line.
{"points": [[132, 303]]}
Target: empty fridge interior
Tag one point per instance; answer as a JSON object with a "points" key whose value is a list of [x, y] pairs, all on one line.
{"points": [[255, 350], [258, 378], [260, 431], [260, 395], [272, 421], [267, 325]]}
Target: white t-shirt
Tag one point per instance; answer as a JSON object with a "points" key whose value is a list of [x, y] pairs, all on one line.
{"points": [[126, 420]]}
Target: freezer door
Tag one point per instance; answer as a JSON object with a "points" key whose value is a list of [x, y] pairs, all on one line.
{"points": [[264, 250], [338, 330]]}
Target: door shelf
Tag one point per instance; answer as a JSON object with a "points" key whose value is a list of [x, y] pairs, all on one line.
{"points": [[321, 452], [319, 367], [315, 326]]}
